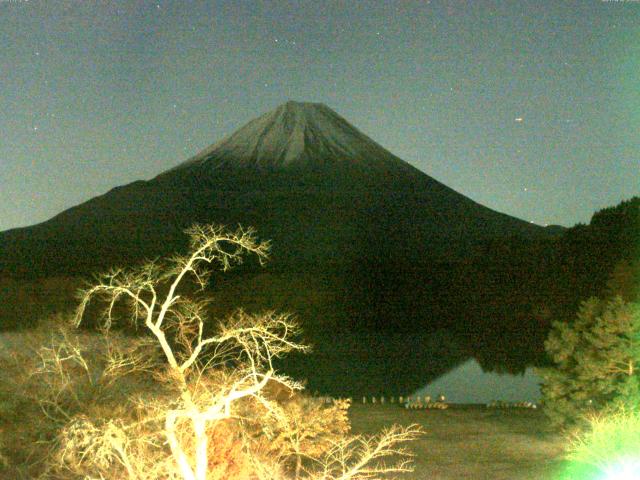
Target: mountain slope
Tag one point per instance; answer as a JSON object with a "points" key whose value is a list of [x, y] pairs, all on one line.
{"points": [[325, 193]]}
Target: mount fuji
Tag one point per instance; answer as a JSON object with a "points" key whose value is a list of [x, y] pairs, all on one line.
{"points": [[324, 192], [386, 267]]}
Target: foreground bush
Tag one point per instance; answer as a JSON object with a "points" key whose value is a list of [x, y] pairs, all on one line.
{"points": [[182, 403]]}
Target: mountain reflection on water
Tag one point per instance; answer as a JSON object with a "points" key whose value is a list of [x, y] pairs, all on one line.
{"points": [[468, 383], [366, 364], [376, 364]]}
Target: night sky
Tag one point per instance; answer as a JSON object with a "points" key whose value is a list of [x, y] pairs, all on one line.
{"points": [[528, 107]]}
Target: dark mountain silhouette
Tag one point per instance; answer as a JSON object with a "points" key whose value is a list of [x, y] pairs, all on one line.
{"points": [[374, 256], [326, 194]]}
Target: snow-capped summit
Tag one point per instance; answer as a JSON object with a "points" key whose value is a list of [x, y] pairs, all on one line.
{"points": [[295, 134]]}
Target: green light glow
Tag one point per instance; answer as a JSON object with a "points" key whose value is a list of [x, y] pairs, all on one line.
{"points": [[609, 450], [623, 469], [628, 469]]}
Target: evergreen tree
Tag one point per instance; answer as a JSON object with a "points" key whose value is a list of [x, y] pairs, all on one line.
{"points": [[597, 361]]}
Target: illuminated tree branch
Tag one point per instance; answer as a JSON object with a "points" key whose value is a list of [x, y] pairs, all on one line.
{"points": [[210, 378]]}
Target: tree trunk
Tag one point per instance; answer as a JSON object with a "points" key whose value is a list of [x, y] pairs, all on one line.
{"points": [[202, 461]]}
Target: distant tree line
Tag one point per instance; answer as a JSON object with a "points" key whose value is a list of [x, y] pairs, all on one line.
{"points": [[533, 283]]}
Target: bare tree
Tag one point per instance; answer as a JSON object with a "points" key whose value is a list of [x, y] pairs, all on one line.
{"points": [[211, 375], [361, 458]]}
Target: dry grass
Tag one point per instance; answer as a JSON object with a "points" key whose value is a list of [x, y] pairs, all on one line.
{"points": [[472, 442]]}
